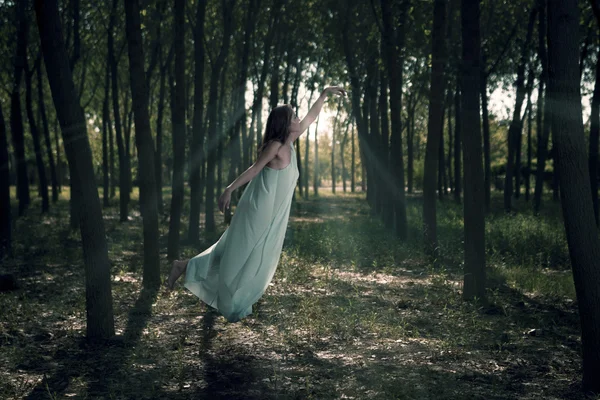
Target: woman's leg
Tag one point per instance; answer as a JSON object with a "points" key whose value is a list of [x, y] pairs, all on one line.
{"points": [[177, 270]]}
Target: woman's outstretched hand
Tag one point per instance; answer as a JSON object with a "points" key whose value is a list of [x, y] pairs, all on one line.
{"points": [[335, 90], [225, 200]]}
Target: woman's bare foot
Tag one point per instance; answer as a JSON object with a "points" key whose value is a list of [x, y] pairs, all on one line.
{"points": [[177, 270]]}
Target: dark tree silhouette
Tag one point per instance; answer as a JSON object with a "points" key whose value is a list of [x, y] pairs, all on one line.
{"points": [[100, 320], [435, 126], [567, 136], [474, 242], [145, 147]]}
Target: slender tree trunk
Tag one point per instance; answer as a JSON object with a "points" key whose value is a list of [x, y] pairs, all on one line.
{"points": [[105, 123], [450, 144], [486, 141], [197, 157], [212, 116], [516, 126], [474, 225], [388, 206], [410, 146], [123, 190], [529, 121], [5, 216], [316, 161], [458, 177], [434, 128], [16, 117], [568, 137], [179, 133], [220, 131], [394, 64], [352, 166], [145, 147], [42, 110], [543, 130], [35, 135], [100, 321], [594, 133]]}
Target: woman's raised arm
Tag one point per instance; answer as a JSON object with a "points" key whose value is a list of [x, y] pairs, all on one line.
{"points": [[315, 109]]}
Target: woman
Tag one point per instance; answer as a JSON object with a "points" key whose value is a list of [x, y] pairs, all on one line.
{"points": [[233, 273]]}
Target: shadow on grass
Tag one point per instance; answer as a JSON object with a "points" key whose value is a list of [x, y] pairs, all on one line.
{"points": [[104, 363]]}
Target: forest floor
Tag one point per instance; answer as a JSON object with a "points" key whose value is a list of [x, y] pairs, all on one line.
{"points": [[352, 313]]}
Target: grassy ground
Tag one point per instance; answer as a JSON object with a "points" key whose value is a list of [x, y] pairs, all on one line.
{"points": [[352, 313]]}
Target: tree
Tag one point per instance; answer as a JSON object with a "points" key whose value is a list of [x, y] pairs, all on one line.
{"points": [[435, 125], [212, 115], [5, 216], [100, 320], [145, 147], [577, 208], [394, 65], [178, 132], [474, 214], [16, 117]]}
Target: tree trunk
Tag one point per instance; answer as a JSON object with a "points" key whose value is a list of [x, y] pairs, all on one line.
{"points": [[529, 148], [179, 133], [577, 207], [35, 135], [516, 125], [474, 228], [352, 167], [16, 117], [42, 110], [543, 130], [434, 127], [486, 141], [316, 160], [105, 123], [450, 144], [594, 133], [197, 149], [394, 64], [458, 177], [5, 216], [100, 321], [145, 147], [384, 154], [123, 190], [212, 116]]}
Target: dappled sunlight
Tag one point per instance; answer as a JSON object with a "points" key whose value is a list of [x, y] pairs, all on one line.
{"points": [[351, 312]]}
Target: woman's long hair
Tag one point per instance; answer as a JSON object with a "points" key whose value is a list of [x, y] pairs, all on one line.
{"points": [[278, 126]]}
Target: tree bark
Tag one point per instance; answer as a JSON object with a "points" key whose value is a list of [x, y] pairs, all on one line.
{"points": [[458, 176], [486, 140], [100, 320], [123, 190], [516, 126], [388, 206], [394, 64], [179, 133], [35, 135], [212, 116], [42, 109], [434, 127], [568, 137], [474, 228], [16, 116], [543, 125], [5, 215], [145, 147], [197, 157]]}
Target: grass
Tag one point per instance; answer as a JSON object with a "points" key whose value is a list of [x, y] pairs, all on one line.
{"points": [[352, 312]]}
